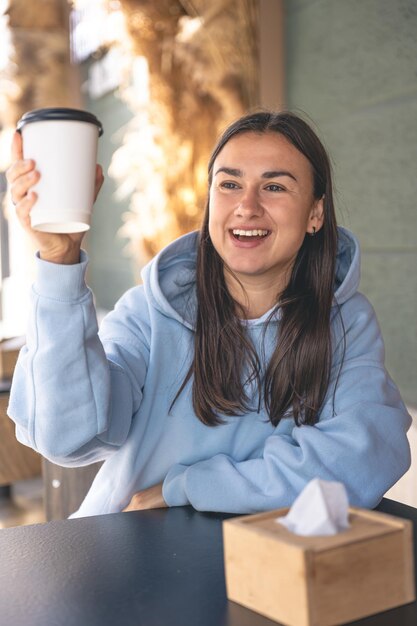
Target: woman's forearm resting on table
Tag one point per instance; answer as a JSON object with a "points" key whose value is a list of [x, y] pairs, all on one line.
{"points": [[150, 498]]}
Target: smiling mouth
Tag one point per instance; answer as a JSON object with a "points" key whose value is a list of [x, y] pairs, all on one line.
{"points": [[250, 235]]}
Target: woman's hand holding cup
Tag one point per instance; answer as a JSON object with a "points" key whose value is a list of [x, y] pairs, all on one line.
{"points": [[22, 176]]}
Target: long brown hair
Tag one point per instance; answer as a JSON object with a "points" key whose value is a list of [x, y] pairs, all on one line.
{"points": [[298, 373]]}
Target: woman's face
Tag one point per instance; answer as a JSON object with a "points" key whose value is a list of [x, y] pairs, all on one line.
{"points": [[261, 206]]}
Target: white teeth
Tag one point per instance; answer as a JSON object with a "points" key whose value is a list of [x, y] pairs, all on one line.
{"points": [[250, 233]]}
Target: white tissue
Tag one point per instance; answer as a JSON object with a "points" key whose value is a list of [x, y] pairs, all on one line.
{"points": [[320, 509]]}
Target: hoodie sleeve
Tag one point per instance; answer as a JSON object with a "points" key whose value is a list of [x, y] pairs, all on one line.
{"points": [[73, 396], [359, 440]]}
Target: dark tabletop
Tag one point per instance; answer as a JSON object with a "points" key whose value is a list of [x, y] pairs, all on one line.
{"points": [[149, 568]]}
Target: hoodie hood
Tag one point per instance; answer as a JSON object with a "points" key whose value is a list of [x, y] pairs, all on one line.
{"points": [[169, 278], [348, 265]]}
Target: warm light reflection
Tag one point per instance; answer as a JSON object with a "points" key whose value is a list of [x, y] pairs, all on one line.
{"points": [[189, 26]]}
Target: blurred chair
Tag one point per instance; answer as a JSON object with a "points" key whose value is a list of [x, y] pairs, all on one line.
{"points": [[65, 488], [17, 462]]}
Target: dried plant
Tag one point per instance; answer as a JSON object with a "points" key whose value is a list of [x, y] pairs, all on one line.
{"points": [[202, 59], [202, 63], [38, 72]]}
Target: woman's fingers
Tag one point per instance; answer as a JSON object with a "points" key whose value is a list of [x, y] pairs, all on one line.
{"points": [[22, 184], [98, 181], [17, 147], [21, 175], [23, 209], [18, 168]]}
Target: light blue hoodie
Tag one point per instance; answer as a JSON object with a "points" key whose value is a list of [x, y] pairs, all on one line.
{"points": [[79, 397]]}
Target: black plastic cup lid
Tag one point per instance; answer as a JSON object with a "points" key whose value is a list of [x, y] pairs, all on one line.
{"points": [[43, 115]]}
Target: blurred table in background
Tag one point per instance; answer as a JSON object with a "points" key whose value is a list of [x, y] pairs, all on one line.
{"points": [[17, 462]]}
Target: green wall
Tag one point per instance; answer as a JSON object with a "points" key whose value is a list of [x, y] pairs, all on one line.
{"points": [[351, 66]]}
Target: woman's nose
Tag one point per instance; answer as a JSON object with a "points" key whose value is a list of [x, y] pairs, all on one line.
{"points": [[249, 204]]}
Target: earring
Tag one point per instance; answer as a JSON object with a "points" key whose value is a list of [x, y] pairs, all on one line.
{"points": [[314, 232]]}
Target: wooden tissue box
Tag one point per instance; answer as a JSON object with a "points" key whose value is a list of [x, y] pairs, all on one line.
{"points": [[317, 580]]}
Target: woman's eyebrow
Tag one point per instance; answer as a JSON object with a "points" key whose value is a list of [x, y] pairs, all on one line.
{"points": [[277, 173], [270, 174], [230, 171]]}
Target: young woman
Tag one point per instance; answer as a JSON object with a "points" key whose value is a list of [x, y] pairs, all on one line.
{"points": [[245, 365]]}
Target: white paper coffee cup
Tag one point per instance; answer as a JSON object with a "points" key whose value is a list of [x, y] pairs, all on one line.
{"points": [[63, 144]]}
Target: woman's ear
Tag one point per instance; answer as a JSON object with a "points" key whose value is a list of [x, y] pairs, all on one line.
{"points": [[316, 218]]}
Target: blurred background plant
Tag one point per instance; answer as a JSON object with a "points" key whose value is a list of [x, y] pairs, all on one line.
{"points": [[180, 78], [196, 81]]}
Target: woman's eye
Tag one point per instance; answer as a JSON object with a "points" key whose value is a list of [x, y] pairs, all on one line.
{"points": [[274, 187], [228, 184]]}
